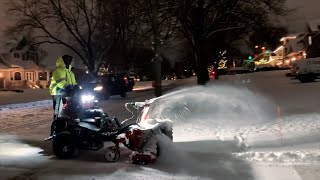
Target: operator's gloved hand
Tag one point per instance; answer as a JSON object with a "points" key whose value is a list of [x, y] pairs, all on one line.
{"points": [[76, 87], [69, 90]]}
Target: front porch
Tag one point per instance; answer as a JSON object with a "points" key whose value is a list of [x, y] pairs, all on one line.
{"points": [[18, 78]]}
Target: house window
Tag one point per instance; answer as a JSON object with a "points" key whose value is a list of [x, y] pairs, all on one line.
{"points": [[16, 55], [24, 57], [310, 40], [42, 76], [17, 76]]}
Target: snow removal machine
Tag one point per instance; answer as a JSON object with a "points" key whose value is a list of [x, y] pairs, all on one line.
{"points": [[82, 125]]}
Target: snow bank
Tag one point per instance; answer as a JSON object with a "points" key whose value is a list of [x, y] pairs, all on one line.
{"points": [[28, 95], [292, 157], [23, 106]]}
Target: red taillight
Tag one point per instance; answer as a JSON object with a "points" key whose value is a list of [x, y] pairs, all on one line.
{"points": [[126, 80], [213, 72]]}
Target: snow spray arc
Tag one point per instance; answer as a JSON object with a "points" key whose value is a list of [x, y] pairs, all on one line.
{"points": [[218, 105]]}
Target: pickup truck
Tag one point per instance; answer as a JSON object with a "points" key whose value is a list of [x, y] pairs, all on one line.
{"points": [[306, 70]]}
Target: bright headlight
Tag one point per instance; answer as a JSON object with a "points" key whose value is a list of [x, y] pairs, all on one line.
{"points": [[98, 88], [87, 98]]}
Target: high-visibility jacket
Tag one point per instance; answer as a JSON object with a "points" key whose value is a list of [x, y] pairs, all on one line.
{"points": [[61, 77]]}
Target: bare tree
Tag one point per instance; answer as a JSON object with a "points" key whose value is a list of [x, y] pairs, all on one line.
{"points": [[155, 25], [76, 24], [120, 15], [203, 20]]}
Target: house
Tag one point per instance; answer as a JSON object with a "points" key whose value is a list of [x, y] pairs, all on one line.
{"points": [[19, 70], [301, 45], [312, 38], [294, 47]]}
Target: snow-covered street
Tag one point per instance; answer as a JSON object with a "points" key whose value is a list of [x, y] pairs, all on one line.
{"points": [[257, 126]]}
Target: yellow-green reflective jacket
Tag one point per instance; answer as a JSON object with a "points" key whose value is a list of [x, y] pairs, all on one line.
{"points": [[61, 77]]}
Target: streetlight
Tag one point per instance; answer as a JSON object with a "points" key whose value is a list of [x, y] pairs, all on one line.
{"points": [[256, 46]]}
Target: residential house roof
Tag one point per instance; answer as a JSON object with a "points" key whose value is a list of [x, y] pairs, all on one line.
{"points": [[24, 64], [3, 64], [22, 44], [314, 25], [14, 63], [295, 45]]}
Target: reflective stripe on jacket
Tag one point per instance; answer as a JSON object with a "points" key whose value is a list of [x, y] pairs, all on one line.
{"points": [[61, 77]]}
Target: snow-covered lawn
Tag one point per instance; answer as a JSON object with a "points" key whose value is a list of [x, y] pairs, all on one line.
{"points": [[258, 126]]}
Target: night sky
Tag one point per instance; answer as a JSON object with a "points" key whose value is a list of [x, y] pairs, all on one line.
{"points": [[305, 9]]}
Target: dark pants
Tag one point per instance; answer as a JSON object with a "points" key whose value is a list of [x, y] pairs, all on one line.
{"points": [[54, 101], [57, 104]]}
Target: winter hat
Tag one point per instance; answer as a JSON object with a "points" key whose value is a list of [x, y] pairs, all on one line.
{"points": [[67, 59]]}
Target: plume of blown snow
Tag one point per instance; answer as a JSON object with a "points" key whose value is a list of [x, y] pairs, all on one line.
{"points": [[218, 105]]}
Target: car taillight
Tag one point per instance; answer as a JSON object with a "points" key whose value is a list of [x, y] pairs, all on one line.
{"points": [[126, 80]]}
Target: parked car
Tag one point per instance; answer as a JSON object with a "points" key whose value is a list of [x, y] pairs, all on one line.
{"points": [[109, 85], [306, 70], [130, 81]]}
